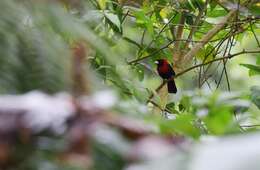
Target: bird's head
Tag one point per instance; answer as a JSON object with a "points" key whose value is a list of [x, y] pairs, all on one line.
{"points": [[161, 62]]}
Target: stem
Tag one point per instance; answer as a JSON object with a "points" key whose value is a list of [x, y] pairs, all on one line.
{"points": [[176, 51], [208, 36], [202, 64], [217, 59], [257, 41], [197, 22]]}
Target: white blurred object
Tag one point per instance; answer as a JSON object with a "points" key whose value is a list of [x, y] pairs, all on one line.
{"points": [[107, 136], [169, 116], [211, 153], [152, 148], [202, 113], [42, 110], [100, 100], [104, 99], [229, 153], [51, 111]]}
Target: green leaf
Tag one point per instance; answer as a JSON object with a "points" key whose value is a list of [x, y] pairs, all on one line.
{"points": [[255, 9], [181, 125], [165, 12], [181, 107], [102, 4], [254, 69], [132, 42], [255, 95], [185, 103], [219, 120], [113, 19], [217, 13], [176, 19], [171, 107], [206, 54], [189, 5], [213, 5], [198, 4], [144, 21]]}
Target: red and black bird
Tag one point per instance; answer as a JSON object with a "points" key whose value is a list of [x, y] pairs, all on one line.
{"points": [[166, 72]]}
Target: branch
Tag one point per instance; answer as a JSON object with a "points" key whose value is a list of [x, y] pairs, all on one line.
{"points": [[142, 39], [176, 51], [197, 22], [195, 41], [150, 55], [158, 35], [157, 89], [217, 47], [132, 42], [180, 30], [227, 50], [216, 59], [125, 15], [202, 64], [249, 126], [159, 107], [163, 47], [252, 29], [208, 36], [241, 21], [80, 84]]}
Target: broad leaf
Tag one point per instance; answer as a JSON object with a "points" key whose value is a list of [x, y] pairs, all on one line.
{"points": [[254, 69], [113, 18]]}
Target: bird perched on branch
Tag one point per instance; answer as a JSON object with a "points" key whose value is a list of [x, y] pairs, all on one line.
{"points": [[166, 72]]}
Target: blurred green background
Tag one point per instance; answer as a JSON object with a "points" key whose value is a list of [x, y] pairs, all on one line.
{"points": [[90, 47]]}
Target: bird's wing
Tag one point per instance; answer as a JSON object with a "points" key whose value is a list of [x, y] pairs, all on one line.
{"points": [[171, 69]]}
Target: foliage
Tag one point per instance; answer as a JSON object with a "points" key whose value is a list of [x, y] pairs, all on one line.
{"points": [[121, 41]]}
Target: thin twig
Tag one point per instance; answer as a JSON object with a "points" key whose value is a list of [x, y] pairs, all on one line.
{"points": [[246, 20], [197, 22], [163, 47], [147, 67], [150, 55], [224, 64], [123, 19], [216, 52], [132, 41], [152, 41], [226, 74], [142, 39], [217, 47], [202, 64], [217, 59], [251, 26], [159, 107], [209, 36], [157, 89], [250, 126]]}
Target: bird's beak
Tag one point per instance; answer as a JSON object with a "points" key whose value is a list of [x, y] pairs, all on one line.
{"points": [[156, 62]]}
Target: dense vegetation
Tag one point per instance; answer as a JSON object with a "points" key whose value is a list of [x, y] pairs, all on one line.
{"points": [[106, 49]]}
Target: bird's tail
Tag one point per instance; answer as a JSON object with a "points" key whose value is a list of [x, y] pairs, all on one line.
{"points": [[171, 86]]}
